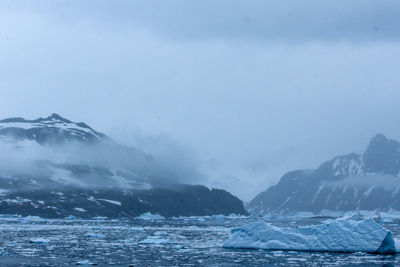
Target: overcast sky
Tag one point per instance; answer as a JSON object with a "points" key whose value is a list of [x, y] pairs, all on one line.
{"points": [[251, 88]]}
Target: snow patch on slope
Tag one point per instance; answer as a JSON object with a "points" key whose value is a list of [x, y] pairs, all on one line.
{"points": [[345, 166], [369, 182], [118, 203]]}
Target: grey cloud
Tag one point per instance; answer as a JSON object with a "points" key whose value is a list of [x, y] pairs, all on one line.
{"points": [[164, 163], [195, 72], [288, 21]]}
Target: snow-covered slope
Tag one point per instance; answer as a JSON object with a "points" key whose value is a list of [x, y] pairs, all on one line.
{"points": [[369, 181]]}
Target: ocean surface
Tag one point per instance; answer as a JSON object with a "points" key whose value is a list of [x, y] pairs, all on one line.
{"points": [[194, 241]]}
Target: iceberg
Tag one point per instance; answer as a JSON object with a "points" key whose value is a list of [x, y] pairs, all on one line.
{"points": [[337, 236]]}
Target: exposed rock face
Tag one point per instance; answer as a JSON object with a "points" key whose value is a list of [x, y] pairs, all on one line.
{"points": [[368, 182], [56, 167], [184, 200]]}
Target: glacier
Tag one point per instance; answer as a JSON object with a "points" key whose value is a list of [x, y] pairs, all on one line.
{"points": [[337, 236]]}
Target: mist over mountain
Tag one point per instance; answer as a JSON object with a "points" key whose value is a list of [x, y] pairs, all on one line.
{"points": [[53, 157], [48, 145], [368, 181]]}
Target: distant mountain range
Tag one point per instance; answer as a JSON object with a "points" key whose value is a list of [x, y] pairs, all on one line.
{"points": [[53, 167], [370, 181]]}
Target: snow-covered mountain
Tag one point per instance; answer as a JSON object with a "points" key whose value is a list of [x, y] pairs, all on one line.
{"points": [[55, 167], [53, 129], [53, 151], [370, 181]]}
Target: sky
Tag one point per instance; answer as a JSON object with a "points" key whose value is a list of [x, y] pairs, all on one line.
{"points": [[246, 89]]}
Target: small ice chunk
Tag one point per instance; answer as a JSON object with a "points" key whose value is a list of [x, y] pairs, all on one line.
{"points": [[3, 192], [99, 218], [386, 220], [352, 215], [39, 240], [159, 233], [30, 218], [85, 262], [80, 209], [154, 240], [94, 235], [397, 244], [219, 217], [336, 236], [148, 216]]}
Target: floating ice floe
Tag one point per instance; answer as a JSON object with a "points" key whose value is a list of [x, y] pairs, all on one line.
{"points": [[94, 235], [210, 217], [39, 240], [148, 216], [336, 236], [155, 240], [3, 192], [392, 214], [351, 215], [99, 218], [230, 216], [85, 262], [30, 218], [386, 220]]}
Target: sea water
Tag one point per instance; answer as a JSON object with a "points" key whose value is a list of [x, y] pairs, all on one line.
{"points": [[194, 241]]}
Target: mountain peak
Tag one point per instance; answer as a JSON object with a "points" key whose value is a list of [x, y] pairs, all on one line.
{"points": [[52, 129], [54, 117], [349, 182], [382, 155], [379, 139]]}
